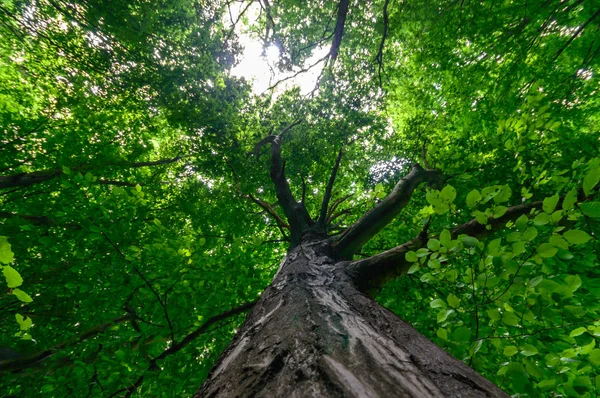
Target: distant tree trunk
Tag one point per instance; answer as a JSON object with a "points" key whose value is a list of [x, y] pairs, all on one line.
{"points": [[313, 333]]}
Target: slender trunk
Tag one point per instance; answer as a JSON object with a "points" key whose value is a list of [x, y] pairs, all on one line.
{"points": [[314, 334]]}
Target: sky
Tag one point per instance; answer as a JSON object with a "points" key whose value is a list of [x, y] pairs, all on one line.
{"points": [[258, 64]]}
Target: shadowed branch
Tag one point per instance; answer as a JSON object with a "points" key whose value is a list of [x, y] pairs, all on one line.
{"points": [[378, 217]]}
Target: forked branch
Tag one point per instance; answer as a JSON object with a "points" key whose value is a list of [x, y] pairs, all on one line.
{"points": [[296, 213], [378, 217]]}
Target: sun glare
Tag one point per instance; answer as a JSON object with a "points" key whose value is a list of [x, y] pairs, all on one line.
{"points": [[258, 64]]}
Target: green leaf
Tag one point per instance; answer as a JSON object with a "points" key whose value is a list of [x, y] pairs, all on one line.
{"points": [[13, 279], [6, 254], [413, 268], [510, 350], [590, 209], [503, 195], [535, 281], [21, 295], [480, 217], [494, 315], [595, 356], [462, 333], [475, 346], [530, 233], [546, 250], [433, 244], [582, 384], [590, 180], [558, 241], [433, 198], [521, 222], [549, 204], [453, 301], [570, 199], [443, 315], [445, 238], [532, 368], [573, 282], [577, 332], [499, 211], [411, 256], [576, 237], [448, 194], [494, 246], [529, 350], [546, 384], [437, 303], [468, 241], [442, 333], [510, 319], [440, 209], [542, 219], [473, 198], [518, 248], [24, 323]]}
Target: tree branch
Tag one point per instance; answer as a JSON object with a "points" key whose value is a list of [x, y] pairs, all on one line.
{"points": [[379, 56], [329, 189], [29, 360], [378, 217], [26, 179], [296, 213], [36, 177], [338, 31]]}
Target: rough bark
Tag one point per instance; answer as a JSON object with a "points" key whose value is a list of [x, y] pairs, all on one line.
{"points": [[314, 334]]}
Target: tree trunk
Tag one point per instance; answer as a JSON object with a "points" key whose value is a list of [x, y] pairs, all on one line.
{"points": [[314, 334]]}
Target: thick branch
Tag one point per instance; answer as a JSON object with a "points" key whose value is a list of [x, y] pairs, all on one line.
{"points": [[296, 213], [338, 31], [26, 179], [378, 217], [374, 272], [329, 189], [36, 177], [29, 360]]}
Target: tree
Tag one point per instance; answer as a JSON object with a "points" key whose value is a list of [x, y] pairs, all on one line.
{"points": [[445, 165]]}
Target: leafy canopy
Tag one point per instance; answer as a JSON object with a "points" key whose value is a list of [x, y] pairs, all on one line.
{"points": [[129, 205]]}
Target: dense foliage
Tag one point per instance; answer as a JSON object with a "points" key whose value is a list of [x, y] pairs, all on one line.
{"points": [[131, 212]]}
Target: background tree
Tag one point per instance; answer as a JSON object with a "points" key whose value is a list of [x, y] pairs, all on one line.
{"points": [[141, 230]]}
